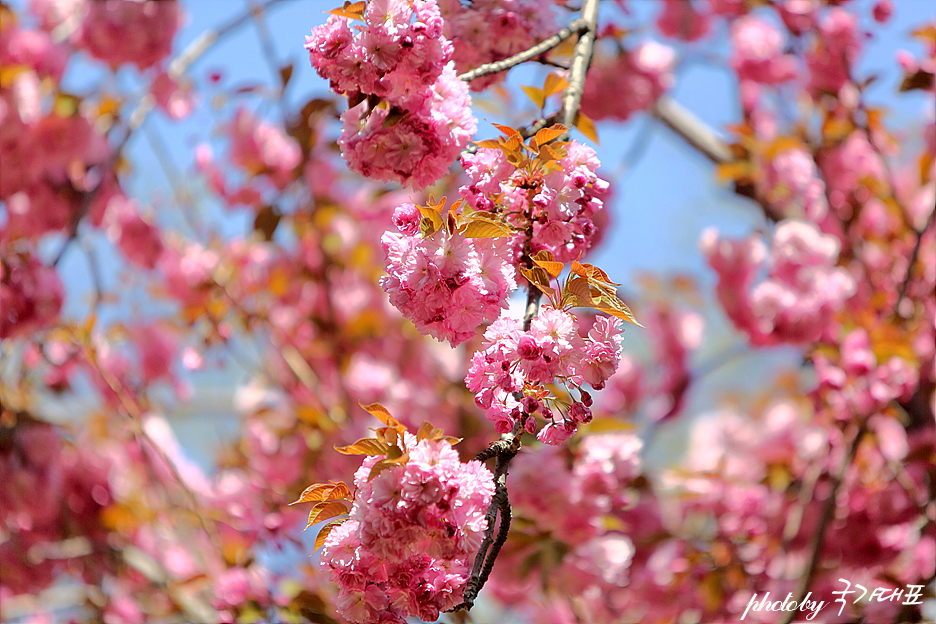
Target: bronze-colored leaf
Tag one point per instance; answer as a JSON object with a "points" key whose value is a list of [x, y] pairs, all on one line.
{"points": [[587, 127], [510, 132], [380, 413], [490, 143], [364, 446], [554, 83], [536, 95], [486, 228], [324, 492], [325, 510], [324, 531], [285, 72], [550, 266], [546, 135], [539, 278]]}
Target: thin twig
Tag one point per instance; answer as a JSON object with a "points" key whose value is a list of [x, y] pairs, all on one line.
{"points": [[828, 510], [576, 27], [177, 67], [902, 291]]}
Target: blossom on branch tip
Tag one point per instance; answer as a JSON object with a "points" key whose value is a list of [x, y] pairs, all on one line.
{"points": [[405, 550]]}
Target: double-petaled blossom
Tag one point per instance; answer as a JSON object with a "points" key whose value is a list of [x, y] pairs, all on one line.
{"points": [[552, 350], [410, 115], [405, 550]]}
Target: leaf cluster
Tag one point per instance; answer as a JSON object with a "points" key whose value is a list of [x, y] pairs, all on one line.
{"points": [[461, 219], [331, 499], [586, 286]]}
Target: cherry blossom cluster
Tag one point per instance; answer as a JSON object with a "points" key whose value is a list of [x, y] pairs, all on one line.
{"points": [[491, 30], [619, 86], [803, 291], [509, 374], [407, 103], [101, 28], [405, 549], [31, 294], [447, 284], [559, 204]]}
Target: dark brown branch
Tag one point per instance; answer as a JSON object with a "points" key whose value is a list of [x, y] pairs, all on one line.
{"points": [[544, 46], [902, 291], [828, 510]]}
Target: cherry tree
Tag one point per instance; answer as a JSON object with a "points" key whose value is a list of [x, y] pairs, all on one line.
{"points": [[419, 287]]}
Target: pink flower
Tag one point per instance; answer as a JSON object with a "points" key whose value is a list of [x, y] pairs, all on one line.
{"points": [[617, 87], [758, 52], [261, 148], [406, 548], [680, 20], [106, 23], [31, 294], [138, 239]]}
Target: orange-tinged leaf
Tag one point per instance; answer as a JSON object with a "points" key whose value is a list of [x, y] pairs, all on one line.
{"points": [[578, 289], [512, 144], [325, 510], [554, 83], [552, 267], [364, 446], [324, 492], [510, 132], [380, 412], [486, 228], [490, 143], [546, 135], [539, 278], [616, 307], [324, 531], [737, 170], [536, 95], [350, 10], [587, 127]]}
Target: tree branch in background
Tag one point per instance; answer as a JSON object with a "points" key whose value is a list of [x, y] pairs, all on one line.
{"points": [[544, 46], [828, 510], [692, 129]]}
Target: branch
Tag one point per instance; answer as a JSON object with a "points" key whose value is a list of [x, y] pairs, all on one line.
{"points": [[504, 450], [581, 59], [177, 67], [692, 129], [576, 27], [828, 511], [902, 291]]}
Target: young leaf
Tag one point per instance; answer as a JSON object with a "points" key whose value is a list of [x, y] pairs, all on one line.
{"points": [[539, 278], [554, 83], [380, 413], [587, 127], [324, 531], [492, 143], [547, 261], [510, 132], [349, 10], [364, 446], [548, 134], [536, 94], [485, 228], [324, 492], [325, 510]]}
